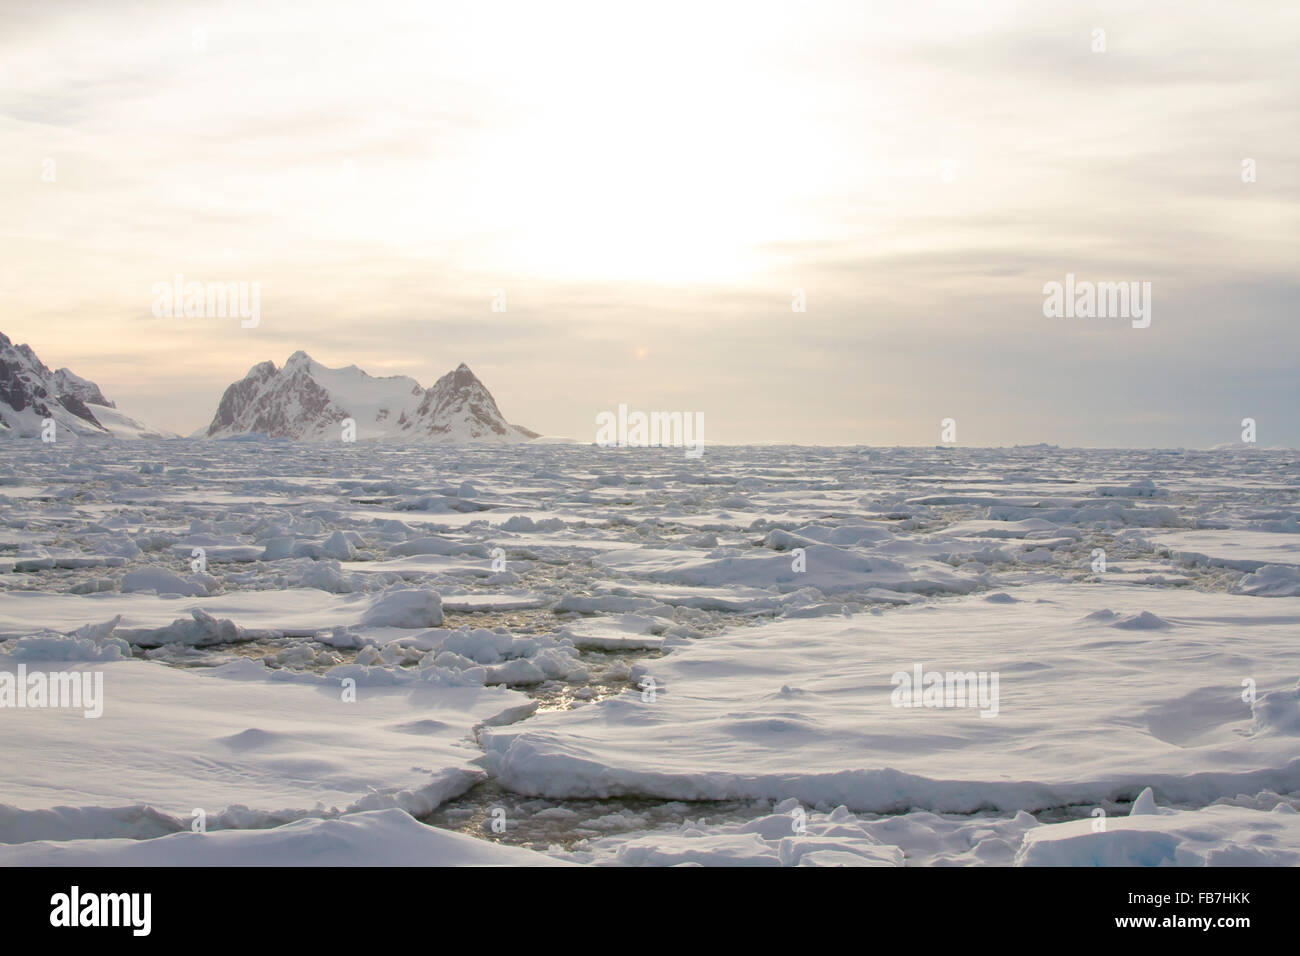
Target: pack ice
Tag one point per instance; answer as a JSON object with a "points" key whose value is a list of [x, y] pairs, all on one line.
{"points": [[539, 652]]}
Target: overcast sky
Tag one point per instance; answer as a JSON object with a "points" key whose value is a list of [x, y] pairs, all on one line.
{"points": [[649, 185]]}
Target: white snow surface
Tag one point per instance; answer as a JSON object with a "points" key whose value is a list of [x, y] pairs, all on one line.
{"points": [[503, 610], [803, 709], [370, 838], [120, 425], [246, 744]]}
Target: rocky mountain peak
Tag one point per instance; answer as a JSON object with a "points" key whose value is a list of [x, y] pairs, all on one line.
{"points": [[306, 401]]}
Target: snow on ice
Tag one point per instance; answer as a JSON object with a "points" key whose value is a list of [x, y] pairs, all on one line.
{"points": [[362, 650]]}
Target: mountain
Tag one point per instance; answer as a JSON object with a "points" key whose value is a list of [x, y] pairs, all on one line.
{"points": [[306, 401], [67, 384], [31, 393]]}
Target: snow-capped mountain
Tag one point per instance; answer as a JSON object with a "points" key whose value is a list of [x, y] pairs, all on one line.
{"points": [[30, 393], [459, 408], [306, 401]]}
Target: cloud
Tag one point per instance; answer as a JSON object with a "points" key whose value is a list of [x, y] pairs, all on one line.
{"points": [[662, 185]]}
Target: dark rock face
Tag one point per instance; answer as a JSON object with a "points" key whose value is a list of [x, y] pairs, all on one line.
{"points": [[241, 395], [27, 385], [278, 403], [458, 397], [69, 385]]}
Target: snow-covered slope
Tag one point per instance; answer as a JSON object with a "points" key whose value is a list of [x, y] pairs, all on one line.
{"points": [[120, 425], [458, 408], [30, 393], [306, 401]]}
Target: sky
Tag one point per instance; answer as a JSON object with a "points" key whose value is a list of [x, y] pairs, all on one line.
{"points": [[653, 189]]}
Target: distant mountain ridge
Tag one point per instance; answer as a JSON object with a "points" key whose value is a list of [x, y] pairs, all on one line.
{"points": [[30, 394], [307, 401]]}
